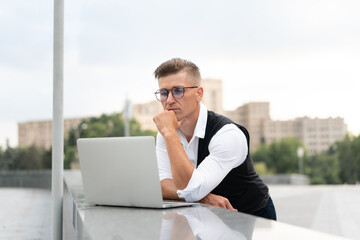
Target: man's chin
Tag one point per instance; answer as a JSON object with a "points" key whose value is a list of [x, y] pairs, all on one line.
{"points": [[180, 118]]}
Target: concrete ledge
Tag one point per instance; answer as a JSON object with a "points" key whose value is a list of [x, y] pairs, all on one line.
{"points": [[26, 178], [82, 220]]}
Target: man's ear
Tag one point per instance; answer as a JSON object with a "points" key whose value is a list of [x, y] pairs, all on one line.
{"points": [[200, 92]]}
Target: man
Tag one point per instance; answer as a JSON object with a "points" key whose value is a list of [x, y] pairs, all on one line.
{"points": [[203, 156]]}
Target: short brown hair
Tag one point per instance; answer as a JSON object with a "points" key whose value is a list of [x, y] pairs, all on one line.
{"points": [[175, 65]]}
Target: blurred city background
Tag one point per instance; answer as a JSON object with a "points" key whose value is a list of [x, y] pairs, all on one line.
{"points": [[287, 71]]}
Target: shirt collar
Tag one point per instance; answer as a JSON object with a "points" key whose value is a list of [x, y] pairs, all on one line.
{"points": [[201, 122]]}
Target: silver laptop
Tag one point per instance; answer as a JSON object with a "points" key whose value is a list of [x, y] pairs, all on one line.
{"points": [[122, 171]]}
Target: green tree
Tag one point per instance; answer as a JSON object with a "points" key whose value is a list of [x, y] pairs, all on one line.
{"points": [[9, 158], [3, 164], [284, 155], [339, 164], [29, 158], [355, 146], [261, 158], [46, 159], [279, 156], [104, 126], [348, 153], [260, 168], [324, 169], [34, 158], [21, 158], [70, 156]]}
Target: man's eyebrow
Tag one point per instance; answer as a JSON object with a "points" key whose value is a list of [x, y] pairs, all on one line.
{"points": [[171, 87]]}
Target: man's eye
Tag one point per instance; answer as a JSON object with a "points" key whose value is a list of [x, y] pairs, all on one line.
{"points": [[163, 92], [178, 90]]}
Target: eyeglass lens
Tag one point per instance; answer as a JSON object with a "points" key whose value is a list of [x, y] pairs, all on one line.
{"points": [[177, 92]]}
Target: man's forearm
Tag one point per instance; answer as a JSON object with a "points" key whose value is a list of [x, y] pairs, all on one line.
{"points": [[181, 168], [169, 190]]}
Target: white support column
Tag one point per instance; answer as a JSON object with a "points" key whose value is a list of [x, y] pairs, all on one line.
{"points": [[127, 116], [58, 122]]}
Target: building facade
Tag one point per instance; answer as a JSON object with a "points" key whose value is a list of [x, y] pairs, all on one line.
{"points": [[317, 134], [144, 113], [39, 133], [252, 116], [212, 97]]}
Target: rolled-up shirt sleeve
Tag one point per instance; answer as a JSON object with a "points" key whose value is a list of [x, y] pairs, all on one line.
{"points": [[228, 149], [162, 158]]}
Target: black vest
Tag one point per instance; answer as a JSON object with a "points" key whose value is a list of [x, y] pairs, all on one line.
{"points": [[242, 186]]}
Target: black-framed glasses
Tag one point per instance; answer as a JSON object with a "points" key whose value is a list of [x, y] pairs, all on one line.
{"points": [[177, 92]]}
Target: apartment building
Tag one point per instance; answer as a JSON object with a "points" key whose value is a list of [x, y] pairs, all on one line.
{"points": [[39, 133], [317, 134], [213, 98], [252, 116], [144, 113]]}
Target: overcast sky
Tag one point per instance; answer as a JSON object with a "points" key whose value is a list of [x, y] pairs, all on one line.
{"points": [[302, 56]]}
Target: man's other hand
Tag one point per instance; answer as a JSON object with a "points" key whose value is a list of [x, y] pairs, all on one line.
{"points": [[217, 201]]}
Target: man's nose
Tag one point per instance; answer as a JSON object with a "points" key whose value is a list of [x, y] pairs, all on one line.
{"points": [[170, 98]]}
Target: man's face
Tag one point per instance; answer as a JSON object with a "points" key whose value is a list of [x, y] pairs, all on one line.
{"points": [[188, 104]]}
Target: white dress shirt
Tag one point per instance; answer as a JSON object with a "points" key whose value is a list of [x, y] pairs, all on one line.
{"points": [[228, 149]]}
